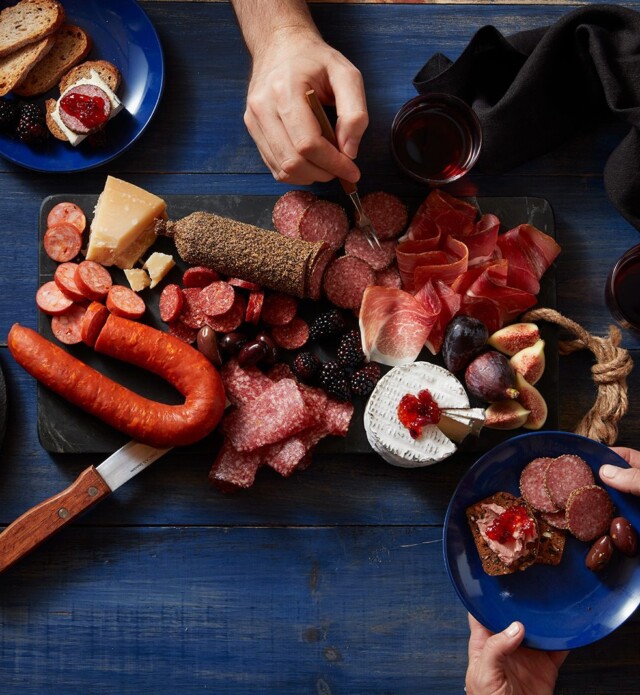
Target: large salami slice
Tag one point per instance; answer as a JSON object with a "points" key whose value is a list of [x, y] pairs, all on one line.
{"points": [[191, 313], [243, 384], [171, 302], [532, 486], [230, 320], [62, 242], [234, 470], [387, 213], [217, 298], [357, 245], [589, 512], [564, 475], [292, 336], [389, 277], [345, 281], [324, 221], [279, 309], [289, 209]]}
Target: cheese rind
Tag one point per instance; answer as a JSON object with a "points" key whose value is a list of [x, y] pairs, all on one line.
{"points": [[123, 215]]}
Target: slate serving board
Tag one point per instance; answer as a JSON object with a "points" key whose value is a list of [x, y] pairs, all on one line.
{"points": [[64, 428]]}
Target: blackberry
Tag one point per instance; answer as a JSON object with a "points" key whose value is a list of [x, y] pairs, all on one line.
{"points": [[334, 381], [330, 323], [31, 128], [349, 352], [364, 380], [8, 115], [306, 367]]}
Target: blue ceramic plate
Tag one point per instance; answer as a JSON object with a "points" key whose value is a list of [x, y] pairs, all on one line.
{"points": [[561, 607], [122, 34]]}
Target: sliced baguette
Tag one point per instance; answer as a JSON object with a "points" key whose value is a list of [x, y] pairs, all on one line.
{"points": [[72, 44], [107, 71], [15, 67], [491, 563], [27, 22]]}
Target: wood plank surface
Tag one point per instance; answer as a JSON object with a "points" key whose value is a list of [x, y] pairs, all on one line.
{"points": [[171, 587]]}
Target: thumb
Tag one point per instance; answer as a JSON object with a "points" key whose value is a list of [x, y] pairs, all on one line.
{"points": [[501, 645]]}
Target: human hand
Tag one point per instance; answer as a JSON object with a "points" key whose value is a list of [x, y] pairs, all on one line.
{"points": [[623, 479], [281, 121], [498, 665]]}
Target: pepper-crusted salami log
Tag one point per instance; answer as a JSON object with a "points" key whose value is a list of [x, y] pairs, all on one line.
{"points": [[147, 421], [242, 250]]}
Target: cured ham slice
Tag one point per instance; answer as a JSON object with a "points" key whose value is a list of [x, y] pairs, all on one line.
{"points": [[450, 303], [457, 262], [512, 301], [393, 325], [527, 247], [481, 241], [483, 309], [414, 254]]}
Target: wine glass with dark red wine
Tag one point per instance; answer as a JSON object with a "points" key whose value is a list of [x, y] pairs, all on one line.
{"points": [[622, 291]]}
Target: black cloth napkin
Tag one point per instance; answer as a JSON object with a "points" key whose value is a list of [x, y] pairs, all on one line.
{"points": [[537, 88]]}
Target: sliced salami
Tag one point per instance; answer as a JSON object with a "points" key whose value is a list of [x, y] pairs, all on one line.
{"points": [[243, 384], [532, 486], [234, 470], [93, 280], [183, 332], [284, 457], [556, 519], [356, 244], [292, 336], [51, 300], [389, 277], [254, 307], [191, 314], [225, 323], [387, 213], [171, 303], [67, 327], [564, 475], [589, 512], [324, 221], [279, 309], [315, 272], [345, 281], [68, 213], [124, 302], [243, 284], [288, 211], [217, 298], [92, 323], [64, 277], [62, 242], [199, 276], [274, 415]]}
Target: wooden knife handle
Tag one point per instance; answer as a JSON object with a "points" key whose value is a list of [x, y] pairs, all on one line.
{"points": [[42, 521], [327, 132]]}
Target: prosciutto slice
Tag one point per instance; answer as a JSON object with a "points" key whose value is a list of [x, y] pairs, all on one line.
{"points": [[450, 303], [457, 262], [527, 247], [491, 284], [393, 325], [481, 240]]}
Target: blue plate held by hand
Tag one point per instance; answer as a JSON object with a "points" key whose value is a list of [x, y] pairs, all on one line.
{"points": [[564, 606]]}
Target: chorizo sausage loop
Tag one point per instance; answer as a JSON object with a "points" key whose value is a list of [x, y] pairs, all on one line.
{"points": [[145, 420]]}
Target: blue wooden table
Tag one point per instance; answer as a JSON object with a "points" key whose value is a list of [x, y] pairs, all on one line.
{"points": [[331, 581]]}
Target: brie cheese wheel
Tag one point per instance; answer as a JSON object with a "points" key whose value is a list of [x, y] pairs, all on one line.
{"points": [[391, 439], [95, 80]]}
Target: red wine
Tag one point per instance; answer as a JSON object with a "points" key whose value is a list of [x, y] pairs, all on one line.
{"points": [[622, 291], [436, 138]]}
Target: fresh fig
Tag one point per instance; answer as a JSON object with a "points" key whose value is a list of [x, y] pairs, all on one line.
{"points": [[513, 338], [505, 415], [532, 400], [464, 338], [491, 378], [530, 362]]}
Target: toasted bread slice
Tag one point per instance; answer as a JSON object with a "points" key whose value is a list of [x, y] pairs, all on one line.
{"points": [[72, 44], [552, 542], [107, 71], [491, 563], [15, 67], [27, 22], [54, 128]]}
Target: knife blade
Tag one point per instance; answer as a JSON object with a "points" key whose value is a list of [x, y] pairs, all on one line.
{"points": [[40, 522]]}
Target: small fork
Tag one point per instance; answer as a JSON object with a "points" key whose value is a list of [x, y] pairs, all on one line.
{"points": [[363, 222]]}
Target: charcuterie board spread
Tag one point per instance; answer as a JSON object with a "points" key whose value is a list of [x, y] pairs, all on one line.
{"points": [[65, 428]]}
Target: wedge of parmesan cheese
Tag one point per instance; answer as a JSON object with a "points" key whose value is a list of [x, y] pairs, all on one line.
{"points": [[134, 252], [138, 278], [392, 440], [123, 216], [158, 265]]}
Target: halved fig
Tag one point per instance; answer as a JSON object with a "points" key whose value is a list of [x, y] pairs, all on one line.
{"points": [[516, 337], [532, 400], [530, 362], [506, 415]]}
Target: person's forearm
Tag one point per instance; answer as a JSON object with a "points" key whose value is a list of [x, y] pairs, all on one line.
{"points": [[260, 20]]}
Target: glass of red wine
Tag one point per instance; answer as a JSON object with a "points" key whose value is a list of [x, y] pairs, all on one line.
{"points": [[622, 291], [436, 138]]}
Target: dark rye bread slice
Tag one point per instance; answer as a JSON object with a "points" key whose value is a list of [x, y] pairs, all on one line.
{"points": [[551, 545], [491, 563], [72, 44], [15, 67], [27, 22]]}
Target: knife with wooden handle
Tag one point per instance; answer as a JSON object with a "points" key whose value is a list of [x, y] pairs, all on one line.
{"points": [[39, 523]]}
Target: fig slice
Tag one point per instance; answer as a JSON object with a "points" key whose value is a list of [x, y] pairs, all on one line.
{"points": [[532, 400], [530, 362], [515, 337], [505, 415]]}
